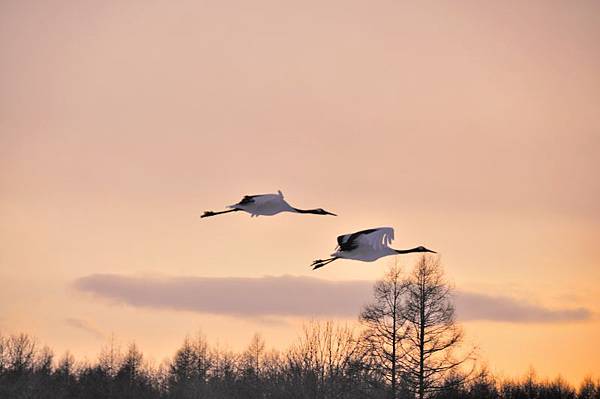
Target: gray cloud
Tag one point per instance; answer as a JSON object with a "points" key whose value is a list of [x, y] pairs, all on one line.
{"points": [[268, 297], [85, 326], [475, 306]]}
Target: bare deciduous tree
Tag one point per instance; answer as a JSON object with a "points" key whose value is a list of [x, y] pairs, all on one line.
{"points": [[189, 371], [254, 353], [384, 324], [110, 357], [323, 358], [3, 354], [431, 335], [21, 351]]}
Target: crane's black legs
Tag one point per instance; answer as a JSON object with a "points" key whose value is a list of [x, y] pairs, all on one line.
{"points": [[322, 262], [211, 213]]}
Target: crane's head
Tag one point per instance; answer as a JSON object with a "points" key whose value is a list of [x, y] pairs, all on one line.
{"points": [[423, 249], [321, 211]]}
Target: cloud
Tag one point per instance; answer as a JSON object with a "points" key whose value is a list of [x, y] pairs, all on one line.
{"points": [[474, 306], [290, 296], [85, 326], [266, 296]]}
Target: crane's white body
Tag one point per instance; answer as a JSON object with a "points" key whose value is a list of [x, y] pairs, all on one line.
{"points": [[263, 205], [366, 247], [365, 254]]}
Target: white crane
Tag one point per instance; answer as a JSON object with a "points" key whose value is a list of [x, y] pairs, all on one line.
{"points": [[367, 246], [265, 205]]}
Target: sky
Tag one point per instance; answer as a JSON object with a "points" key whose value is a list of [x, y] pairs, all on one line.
{"points": [[470, 127]]}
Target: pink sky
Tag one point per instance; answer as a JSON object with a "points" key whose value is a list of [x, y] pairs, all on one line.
{"points": [[471, 127]]}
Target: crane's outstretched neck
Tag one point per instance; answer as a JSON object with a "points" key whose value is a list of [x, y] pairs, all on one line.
{"points": [[304, 210], [211, 213], [411, 250], [317, 211]]}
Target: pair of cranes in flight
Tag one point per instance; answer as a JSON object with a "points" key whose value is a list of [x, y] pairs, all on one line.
{"points": [[365, 245]]}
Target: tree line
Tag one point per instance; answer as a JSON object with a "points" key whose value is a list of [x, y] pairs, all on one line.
{"points": [[409, 346]]}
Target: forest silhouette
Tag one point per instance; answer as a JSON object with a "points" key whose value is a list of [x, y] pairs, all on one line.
{"points": [[409, 346]]}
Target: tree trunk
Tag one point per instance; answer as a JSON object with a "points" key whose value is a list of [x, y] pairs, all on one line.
{"points": [[422, 341], [394, 316]]}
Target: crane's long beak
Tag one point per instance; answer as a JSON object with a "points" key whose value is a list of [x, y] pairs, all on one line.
{"points": [[329, 213], [429, 250]]}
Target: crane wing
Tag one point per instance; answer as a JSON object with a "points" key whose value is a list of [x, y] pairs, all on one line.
{"points": [[262, 204], [376, 238], [348, 242], [381, 237], [264, 198], [248, 199]]}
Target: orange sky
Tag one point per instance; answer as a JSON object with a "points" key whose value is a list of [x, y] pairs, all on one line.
{"points": [[471, 127]]}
